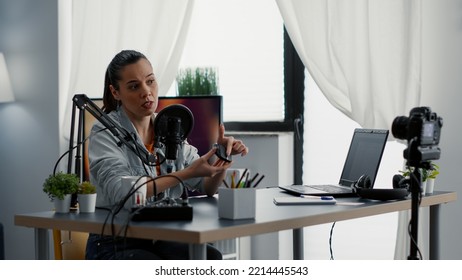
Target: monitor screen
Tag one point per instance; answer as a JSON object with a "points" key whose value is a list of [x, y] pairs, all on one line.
{"points": [[207, 111]]}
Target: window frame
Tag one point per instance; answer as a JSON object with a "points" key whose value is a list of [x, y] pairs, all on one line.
{"points": [[294, 88]]}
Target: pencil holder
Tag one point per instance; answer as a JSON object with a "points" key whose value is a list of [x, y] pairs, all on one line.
{"points": [[237, 203]]}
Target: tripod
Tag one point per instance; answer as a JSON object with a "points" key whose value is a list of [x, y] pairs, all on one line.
{"points": [[416, 195], [416, 181]]}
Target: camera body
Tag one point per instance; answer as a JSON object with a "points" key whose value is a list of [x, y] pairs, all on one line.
{"points": [[422, 130]]}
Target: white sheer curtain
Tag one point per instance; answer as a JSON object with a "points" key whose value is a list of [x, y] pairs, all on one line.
{"points": [[364, 55], [98, 29]]}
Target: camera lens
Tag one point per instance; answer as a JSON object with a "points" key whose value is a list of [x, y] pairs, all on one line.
{"points": [[399, 127]]}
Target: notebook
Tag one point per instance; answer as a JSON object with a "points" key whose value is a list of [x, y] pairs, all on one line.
{"points": [[364, 156]]}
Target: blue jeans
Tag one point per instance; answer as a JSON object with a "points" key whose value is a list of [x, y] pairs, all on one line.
{"points": [[107, 248]]}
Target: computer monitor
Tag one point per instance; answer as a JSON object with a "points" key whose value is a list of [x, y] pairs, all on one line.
{"points": [[207, 111]]}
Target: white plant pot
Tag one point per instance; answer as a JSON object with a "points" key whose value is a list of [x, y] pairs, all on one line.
{"points": [[87, 202], [430, 186], [424, 187], [63, 205]]}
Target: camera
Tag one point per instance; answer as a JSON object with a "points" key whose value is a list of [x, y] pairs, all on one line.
{"points": [[422, 130]]}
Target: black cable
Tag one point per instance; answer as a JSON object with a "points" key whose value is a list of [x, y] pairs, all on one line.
{"points": [[330, 241], [76, 146], [113, 211], [119, 206], [413, 240]]}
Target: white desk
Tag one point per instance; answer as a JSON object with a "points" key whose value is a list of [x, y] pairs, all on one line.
{"points": [[207, 227]]}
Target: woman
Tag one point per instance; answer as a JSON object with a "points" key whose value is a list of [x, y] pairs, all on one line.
{"points": [[130, 99]]}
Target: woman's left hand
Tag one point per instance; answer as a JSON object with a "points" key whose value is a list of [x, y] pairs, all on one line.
{"points": [[233, 146]]}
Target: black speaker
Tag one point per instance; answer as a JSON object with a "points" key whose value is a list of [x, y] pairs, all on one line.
{"points": [[363, 188]]}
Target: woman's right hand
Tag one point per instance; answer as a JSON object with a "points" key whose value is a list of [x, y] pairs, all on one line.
{"points": [[202, 167]]}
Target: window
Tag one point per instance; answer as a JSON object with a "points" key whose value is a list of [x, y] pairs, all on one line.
{"points": [[261, 77], [244, 40]]}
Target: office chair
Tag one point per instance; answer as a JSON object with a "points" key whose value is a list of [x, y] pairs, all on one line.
{"points": [[69, 245]]}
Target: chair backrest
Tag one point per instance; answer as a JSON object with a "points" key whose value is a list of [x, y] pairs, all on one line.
{"points": [[69, 245]]}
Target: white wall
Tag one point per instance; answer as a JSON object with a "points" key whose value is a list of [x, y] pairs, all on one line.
{"points": [[442, 87], [29, 143]]}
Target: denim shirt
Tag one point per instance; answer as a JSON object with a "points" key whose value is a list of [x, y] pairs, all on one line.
{"points": [[110, 161]]}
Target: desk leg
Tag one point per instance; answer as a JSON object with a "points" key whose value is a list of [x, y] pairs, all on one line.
{"points": [[298, 243], [197, 251], [434, 232], [42, 249]]}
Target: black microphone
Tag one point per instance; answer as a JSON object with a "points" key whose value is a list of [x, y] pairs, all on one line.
{"points": [[171, 127], [173, 138]]}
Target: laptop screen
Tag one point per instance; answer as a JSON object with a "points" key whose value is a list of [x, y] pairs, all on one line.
{"points": [[364, 156]]}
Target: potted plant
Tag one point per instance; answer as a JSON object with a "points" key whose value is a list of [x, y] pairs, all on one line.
{"points": [[86, 196], [59, 187], [428, 176], [431, 175], [197, 81], [407, 174]]}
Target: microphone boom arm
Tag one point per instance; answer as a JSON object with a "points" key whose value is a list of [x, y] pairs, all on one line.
{"points": [[84, 103]]}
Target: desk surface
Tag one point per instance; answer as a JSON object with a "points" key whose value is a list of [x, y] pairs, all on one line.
{"points": [[206, 226]]}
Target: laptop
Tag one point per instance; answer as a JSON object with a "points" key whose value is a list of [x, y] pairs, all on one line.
{"points": [[364, 156]]}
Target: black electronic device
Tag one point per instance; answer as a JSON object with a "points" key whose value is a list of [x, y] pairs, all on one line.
{"points": [[422, 130], [162, 212], [221, 153]]}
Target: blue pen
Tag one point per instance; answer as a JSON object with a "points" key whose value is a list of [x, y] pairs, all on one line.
{"points": [[317, 197]]}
